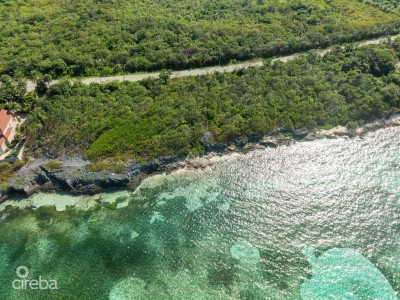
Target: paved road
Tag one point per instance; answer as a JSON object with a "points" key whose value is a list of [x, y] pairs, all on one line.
{"points": [[203, 71]]}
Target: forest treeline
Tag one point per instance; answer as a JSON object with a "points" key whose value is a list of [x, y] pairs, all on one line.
{"points": [[75, 38], [163, 116]]}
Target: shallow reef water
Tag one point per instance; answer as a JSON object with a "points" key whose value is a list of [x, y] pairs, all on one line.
{"points": [[314, 220], [344, 274]]}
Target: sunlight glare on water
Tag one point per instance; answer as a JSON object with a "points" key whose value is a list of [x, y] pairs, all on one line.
{"points": [[238, 230]]}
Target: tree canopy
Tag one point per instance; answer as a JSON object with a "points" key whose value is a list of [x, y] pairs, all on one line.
{"points": [[86, 38], [162, 116]]}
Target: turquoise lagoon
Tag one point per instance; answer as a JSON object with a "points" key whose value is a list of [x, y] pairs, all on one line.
{"points": [[315, 220]]}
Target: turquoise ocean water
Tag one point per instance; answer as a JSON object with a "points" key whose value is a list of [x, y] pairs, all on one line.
{"points": [[315, 220]]}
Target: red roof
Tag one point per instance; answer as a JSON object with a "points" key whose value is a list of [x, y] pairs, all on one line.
{"points": [[5, 118], [8, 132], [6, 136]]}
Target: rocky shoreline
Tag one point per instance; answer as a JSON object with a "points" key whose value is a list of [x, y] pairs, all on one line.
{"points": [[74, 178]]}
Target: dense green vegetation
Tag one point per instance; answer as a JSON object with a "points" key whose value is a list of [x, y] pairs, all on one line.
{"points": [[385, 5], [13, 94], [7, 170], [53, 165], [92, 37], [170, 116]]}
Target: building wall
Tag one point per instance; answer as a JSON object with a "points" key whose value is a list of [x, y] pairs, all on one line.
{"points": [[13, 124], [11, 136]]}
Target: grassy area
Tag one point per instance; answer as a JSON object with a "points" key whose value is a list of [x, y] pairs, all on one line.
{"points": [[86, 38], [7, 170], [53, 165], [115, 165], [164, 116]]}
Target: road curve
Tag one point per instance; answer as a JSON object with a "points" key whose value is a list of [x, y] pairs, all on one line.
{"points": [[209, 70]]}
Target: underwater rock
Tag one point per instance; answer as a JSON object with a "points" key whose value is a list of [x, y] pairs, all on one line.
{"points": [[131, 288], [194, 203], [197, 194], [344, 274], [156, 217], [243, 250], [42, 250], [134, 234], [224, 206]]}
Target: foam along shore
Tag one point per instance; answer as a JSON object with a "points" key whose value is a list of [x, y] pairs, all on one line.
{"points": [[74, 178]]}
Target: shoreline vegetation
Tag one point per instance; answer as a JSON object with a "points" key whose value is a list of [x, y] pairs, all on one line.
{"points": [[128, 130], [71, 174], [101, 38], [158, 117]]}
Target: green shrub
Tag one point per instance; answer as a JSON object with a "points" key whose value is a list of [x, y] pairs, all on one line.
{"points": [[108, 165], [142, 121], [7, 170], [53, 165]]}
